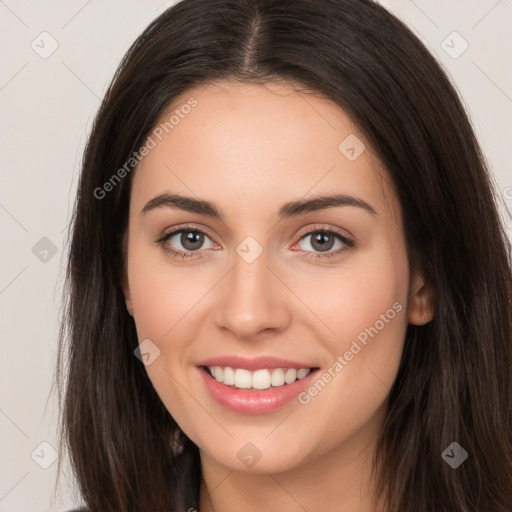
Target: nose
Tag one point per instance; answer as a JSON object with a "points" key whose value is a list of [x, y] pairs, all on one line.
{"points": [[253, 301]]}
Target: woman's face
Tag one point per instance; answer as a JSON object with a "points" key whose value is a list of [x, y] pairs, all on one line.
{"points": [[259, 284]]}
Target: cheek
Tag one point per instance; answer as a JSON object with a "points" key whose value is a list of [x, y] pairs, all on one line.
{"points": [[153, 306], [368, 315], [162, 294], [163, 299], [351, 390], [354, 296]]}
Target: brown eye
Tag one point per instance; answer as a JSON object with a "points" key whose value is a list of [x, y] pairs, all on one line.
{"points": [[322, 241], [191, 240], [185, 242]]}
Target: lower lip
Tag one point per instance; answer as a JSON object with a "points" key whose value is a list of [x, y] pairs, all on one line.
{"points": [[254, 402]]}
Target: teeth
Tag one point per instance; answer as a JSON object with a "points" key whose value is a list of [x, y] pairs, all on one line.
{"points": [[228, 376], [242, 379], [260, 379], [290, 376], [302, 373], [277, 377]]}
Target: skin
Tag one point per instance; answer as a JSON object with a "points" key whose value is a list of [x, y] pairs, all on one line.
{"points": [[249, 149]]}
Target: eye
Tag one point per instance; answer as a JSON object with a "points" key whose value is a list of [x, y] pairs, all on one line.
{"points": [[190, 238], [322, 240]]}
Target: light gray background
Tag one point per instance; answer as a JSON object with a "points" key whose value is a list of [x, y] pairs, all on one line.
{"points": [[47, 106]]}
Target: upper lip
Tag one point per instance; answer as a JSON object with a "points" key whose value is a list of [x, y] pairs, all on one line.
{"points": [[253, 363]]}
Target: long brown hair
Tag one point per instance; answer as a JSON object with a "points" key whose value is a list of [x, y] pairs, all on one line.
{"points": [[454, 383]]}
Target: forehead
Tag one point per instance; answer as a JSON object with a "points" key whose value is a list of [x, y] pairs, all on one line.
{"points": [[247, 146]]}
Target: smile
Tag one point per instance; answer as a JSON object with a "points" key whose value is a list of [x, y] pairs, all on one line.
{"points": [[254, 386], [240, 378]]}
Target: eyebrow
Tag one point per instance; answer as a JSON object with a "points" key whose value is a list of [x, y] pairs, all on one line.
{"points": [[287, 210]]}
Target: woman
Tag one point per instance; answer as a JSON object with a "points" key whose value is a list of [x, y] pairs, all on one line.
{"points": [[289, 286]]}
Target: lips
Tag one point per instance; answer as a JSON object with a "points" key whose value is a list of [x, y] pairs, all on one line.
{"points": [[254, 386]]}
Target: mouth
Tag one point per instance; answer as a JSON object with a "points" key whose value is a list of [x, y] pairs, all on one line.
{"points": [[257, 380], [256, 391]]}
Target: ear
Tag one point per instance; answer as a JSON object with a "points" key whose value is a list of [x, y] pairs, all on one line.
{"points": [[421, 300]]}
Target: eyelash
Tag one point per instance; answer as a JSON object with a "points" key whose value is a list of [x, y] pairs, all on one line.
{"points": [[348, 243]]}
